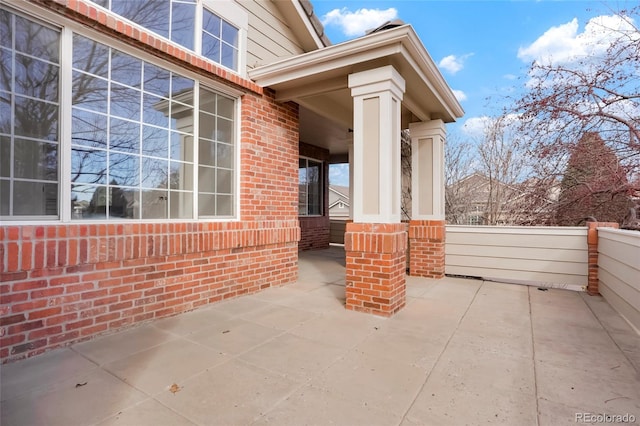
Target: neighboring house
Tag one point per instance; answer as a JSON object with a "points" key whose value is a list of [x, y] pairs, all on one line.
{"points": [[339, 202], [478, 200], [161, 156]]}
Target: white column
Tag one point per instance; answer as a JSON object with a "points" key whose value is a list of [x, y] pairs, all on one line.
{"points": [[377, 98], [351, 179], [427, 170]]}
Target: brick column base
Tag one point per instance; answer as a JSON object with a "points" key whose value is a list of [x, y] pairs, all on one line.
{"points": [[592, 244], [426, 248], [376, 266]]}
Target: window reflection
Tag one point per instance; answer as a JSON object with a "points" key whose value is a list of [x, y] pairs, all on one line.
{"points": [[29, 116], [128, 176]]}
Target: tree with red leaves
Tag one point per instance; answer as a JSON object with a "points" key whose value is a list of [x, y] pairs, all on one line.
{"points": [[594, 185]]}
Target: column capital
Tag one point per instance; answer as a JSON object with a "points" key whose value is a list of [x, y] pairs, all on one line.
{"points": [[377, 80], [430, 128]]}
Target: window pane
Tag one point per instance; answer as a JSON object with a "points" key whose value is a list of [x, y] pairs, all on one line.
{"points": [[224, 130], [35, 78], [35, 160], [88, 166], [124, 170], [5, 156], [181, 176], [156, 80], [211, 23], [36, 119], [88, 202], [181, 147], [5, 113], [120, 205], [155, 141], [154, 204], [210, 47], [155, 173], [6, 69], [224, 181], [155, 110], [206, 204], [182, 29], [207, 126], [90, 56], [229, 34], [207, 179], [229, 57], [181, 117], [225, 107], [124, 135], [207, 152], [151, 14], [225, 155], [125, 102], [35, 198], [180, 205], [5, 198], [88, 129], [125, 69], [224, 205], [182, 89], [89, 92], [36, 40], [207, 102], [5, 28]]}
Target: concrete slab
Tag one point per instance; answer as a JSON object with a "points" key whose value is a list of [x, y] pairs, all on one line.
{"points": [[461, 352], [310, 405], [85, 398], [41, 373], [233, 393], [103, 350], [155, 370], [372, 381], [294, 357], [148, 412]]}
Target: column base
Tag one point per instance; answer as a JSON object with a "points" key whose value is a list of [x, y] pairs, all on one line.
{"points": [[426, 248], [376, 262]]}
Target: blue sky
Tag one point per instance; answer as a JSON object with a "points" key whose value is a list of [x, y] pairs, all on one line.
{"points": [[483, 48]]}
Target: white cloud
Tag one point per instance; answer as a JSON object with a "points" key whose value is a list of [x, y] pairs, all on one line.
{"points": [[453, 63], [356, 23], [510, 77], [564, 43], [475, 126], [460, 95]]}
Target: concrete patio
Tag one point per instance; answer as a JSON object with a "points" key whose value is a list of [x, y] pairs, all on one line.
{"points": [[461, 352]]}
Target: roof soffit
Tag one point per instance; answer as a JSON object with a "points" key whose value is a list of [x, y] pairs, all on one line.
{"points": [[322, 71]]}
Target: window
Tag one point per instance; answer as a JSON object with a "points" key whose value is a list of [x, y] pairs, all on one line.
{"points": [[29, 117], [175, 20], [310, 187], [139, 133]]}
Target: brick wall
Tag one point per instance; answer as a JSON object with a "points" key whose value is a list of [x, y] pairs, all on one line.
{"points": [[592, 253], [62, 283], [315, 231], [426, 244], [375, 267]]}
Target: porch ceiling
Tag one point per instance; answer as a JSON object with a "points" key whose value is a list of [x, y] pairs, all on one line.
{"points": [[318, 82]]}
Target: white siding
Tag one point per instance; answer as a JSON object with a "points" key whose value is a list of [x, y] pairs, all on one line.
{"points": [[555, 256], [619, 271], [269, 38]]}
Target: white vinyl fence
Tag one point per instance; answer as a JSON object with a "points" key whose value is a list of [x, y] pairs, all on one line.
{"points": [[619, 271], [546, 256]]}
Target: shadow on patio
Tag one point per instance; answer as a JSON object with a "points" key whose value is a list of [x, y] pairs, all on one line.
{"points": [[461, 352]]}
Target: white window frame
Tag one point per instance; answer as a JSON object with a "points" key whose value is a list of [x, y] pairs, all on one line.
{"points": [[320, 182], [67, 28]]}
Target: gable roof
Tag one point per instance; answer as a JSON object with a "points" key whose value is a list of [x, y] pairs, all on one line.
{"points": [[304, 22]]}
